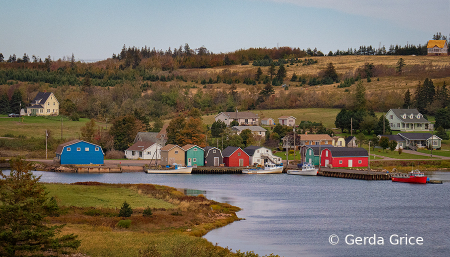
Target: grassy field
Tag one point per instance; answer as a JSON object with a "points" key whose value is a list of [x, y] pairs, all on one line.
{"points": [[395, 155], [174, 229]]}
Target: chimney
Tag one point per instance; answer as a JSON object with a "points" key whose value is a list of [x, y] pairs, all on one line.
{"points": [[306, 132]]}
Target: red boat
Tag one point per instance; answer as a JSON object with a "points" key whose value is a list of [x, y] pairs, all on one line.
{"points": [[414, 176]]}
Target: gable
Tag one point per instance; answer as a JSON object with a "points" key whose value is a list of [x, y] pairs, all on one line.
{"points": [[437, 43]]}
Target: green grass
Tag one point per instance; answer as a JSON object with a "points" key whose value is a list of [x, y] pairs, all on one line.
{"points": [[102, 196], [30, 126], [282, 155], [445, 153], [395, 155]]}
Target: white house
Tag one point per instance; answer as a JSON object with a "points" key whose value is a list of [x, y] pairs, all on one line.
{"points": [[287, 120], [256, 130], [260, 155], [144, 150], [408, 120], [243, 118]]}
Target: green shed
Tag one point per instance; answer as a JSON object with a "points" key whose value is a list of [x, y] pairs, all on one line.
{"points": [[195, 155]]}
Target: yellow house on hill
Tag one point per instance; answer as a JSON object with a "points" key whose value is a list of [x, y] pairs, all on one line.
{"points": [[437, 47], [44, 104]]}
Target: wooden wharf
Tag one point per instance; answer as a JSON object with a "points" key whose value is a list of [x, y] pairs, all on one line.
{"points": [[216, 170], [354, 174]]}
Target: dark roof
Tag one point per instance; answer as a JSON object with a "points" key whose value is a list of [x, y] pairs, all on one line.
{"points": [[240, 115], [208, 148], [349, 139], [227, 152], [60, 147], [250, 150], [41, 97], [140, 146], [317, 148], [415, 136], [347, 151], [415, 113], [396, 138]]}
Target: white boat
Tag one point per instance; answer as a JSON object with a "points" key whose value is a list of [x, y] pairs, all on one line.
{"points": [[307, 170], [176, 169], [269, 168]]}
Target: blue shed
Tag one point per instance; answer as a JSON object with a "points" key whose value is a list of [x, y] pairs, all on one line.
{"points": [[79, 152]]}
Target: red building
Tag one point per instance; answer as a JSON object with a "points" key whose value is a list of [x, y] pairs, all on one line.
{"points": [[235, 157], [344, 157]]}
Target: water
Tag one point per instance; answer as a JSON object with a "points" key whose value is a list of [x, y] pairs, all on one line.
{"points": [[296, 215]]}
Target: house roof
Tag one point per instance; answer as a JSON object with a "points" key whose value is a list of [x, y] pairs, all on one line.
{"points": [[41, 97], [417, 117], [146, 136], [438, 43], [266, 119], [240, 115], [140, 146], [60, 147], [250, 150], [163, 132], [252, 128], [415, 136], [227, 152], [286, 117], [208, 148], [315, 137], [349, 139], [189, 146], [396, 138], [348, 151], [169, 147], [317, 148]]}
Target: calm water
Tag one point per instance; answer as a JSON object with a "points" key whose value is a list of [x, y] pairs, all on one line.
{"points": [[296, 215]]}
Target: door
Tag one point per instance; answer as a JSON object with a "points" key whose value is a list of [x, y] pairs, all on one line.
{"points": [[327, 162], [216, 161], [310, 161], [189, 162], [350, 163], [241, 162]]}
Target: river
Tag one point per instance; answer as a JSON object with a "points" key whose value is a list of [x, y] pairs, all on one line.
{"points": [[297, 215]]}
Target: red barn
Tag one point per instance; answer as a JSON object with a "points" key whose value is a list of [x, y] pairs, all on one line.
{"points": [[344, 157], [235, 157]]}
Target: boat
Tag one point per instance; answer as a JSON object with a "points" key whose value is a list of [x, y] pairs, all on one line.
{"points": [[269, 168], [307, 169], [414, 176], [175, 169]]}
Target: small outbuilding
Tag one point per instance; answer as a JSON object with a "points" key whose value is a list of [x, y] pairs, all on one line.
{"points": [[344, 157], [213, 156], [79, 152], [195, 155], [267, 121], [172, 154], [311, 153], [259, 155], [235, 157]]}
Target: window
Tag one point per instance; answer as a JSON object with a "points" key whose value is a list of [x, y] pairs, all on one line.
{"points": [[68, 149], [133, 152], [53, 103], [310, 151], [176, 152], [340, 162], [411, 116], [398, 125], [194, 159], [435, 142], [239, 154], [257, 151], [404, 116], [86, 149], [48, 103], [326, 142], [359, 162], [214, 151], [326, 153], [391, 117], [48, 110], [97, 149], [149, 153], [78, 149], [195, 149], [316, 143]]}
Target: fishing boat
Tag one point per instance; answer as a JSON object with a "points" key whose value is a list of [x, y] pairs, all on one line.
{"points": [[414, 176], [307, 169], [175, 169], [269, 168]]}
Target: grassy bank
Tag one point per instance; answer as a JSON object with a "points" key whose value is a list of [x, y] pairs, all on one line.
{"points": [[174, 228]]}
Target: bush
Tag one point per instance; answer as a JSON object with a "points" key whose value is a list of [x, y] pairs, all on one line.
{"points": [[114, 155], [93, 212], [124, 224], [147, 212], [74, 117], [126, 210]]}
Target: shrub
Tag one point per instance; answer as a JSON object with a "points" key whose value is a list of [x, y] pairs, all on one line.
{"points": [[126, 210], [114, 154], [74, 117], [147, 212], [400, 150], [93, 212], [124, 224]]}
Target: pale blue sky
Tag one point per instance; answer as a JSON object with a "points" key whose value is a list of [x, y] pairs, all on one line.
{"points": [[94, 29]]}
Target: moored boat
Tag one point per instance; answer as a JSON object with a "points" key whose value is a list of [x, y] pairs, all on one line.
{"points": [[414, 176], [307, 169], [176, 169], [269, 168]]}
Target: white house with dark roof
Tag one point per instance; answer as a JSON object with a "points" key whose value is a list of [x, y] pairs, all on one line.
{"points": [[256, 130], [243, 118], [144, 150], [407, 120], [260, 155], [44, 104]]}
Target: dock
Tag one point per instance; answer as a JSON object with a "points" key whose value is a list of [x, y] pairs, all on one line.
{"points": [[216, 170], [354, 174]]}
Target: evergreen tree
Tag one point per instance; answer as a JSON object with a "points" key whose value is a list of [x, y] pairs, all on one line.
{"points": [[258, 74], [360, 96], [343, 120], [379, 127], [2, 58], [16, 101], [125, 210], [400, 65], [4, 104], [442, 117], [217, 128], [272, 70], [440, 132], [407, 100], [420, 99], [281, 74], [330, 72], [429, 90], [24, 206]]}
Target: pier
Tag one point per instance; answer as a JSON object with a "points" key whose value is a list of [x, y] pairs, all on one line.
{"points": [[217, 170], [354, 174]]}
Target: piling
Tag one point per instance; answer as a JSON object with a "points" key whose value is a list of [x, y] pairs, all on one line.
{"points": [[354, 174]]}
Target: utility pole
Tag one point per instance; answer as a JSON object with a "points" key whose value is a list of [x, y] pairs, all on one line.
{"points": [[351, 126], [384, 125], [294, 142], [46, 137], [369, 155], [61, 128]]}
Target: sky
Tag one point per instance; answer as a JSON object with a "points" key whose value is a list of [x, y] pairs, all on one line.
{"points": [[95, 29]]}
